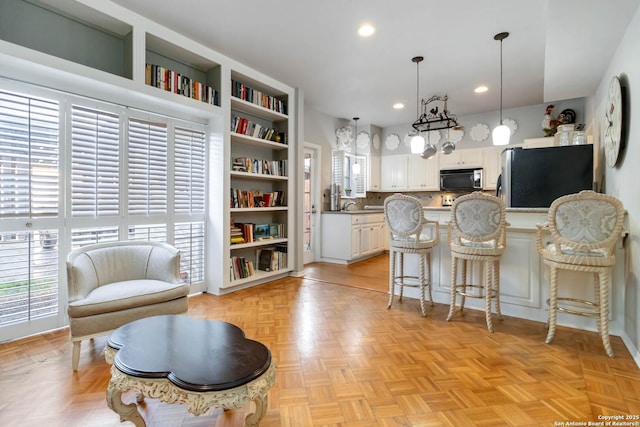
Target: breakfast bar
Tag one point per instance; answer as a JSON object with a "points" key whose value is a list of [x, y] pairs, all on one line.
{"points": [[523, 276]]}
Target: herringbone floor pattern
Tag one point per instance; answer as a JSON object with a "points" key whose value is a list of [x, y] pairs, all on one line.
{"points": [[345, 360]]}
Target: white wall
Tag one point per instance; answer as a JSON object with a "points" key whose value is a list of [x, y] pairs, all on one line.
{"points": [[621, 181]]}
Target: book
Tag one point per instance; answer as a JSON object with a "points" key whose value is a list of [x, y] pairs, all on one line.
{"points": [[262, 232]]}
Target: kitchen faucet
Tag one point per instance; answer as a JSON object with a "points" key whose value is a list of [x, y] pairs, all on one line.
{"points": [[346, 205]]}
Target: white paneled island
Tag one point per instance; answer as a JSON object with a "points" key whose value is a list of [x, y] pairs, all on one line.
{"points": [[523, 276]]}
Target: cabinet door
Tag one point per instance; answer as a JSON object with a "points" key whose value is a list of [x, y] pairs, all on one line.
{"points": [[491, 167], [462, 159], [422, 174], [393, 173], [374, 174], [355, 241]]}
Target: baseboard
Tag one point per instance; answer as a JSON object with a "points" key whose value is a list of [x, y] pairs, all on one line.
{"points": [[632, 348]]}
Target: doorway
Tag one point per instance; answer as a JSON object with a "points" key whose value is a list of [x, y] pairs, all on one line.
{"points": [[311, 202]]}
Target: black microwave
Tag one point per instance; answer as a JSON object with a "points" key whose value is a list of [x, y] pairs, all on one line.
{"points": [[461, 179]]}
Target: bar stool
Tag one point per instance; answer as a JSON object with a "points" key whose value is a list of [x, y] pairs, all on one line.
{"points": [[584, 228], [477, 233], [410, 233]]}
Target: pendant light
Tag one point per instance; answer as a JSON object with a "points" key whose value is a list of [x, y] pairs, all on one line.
{"points": [[501, 133], [356, 166], [417, 141]]}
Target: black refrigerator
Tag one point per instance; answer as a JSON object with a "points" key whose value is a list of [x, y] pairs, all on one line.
{"points": [[535, 177]]}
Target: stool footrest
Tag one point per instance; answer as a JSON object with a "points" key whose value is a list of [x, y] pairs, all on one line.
{"points": [[591, 308], [468, 295]]}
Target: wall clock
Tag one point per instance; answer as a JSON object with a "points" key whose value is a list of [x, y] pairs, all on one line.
{"points": [[612, 122]]}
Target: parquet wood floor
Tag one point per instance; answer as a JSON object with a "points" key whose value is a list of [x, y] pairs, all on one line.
{"points": [[345, 360]]}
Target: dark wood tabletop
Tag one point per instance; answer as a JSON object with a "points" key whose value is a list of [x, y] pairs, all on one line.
{"points": [[194, 354]]}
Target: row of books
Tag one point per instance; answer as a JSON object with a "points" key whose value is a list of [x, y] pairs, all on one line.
{"points": [[272, 258], [244, 92], [264, 167], [256, 199], [241, 268], [247, 232], [244, 126], [172, 81]]}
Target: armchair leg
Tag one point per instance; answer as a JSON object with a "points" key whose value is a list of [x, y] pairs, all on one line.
{"points": [[75, 358]]}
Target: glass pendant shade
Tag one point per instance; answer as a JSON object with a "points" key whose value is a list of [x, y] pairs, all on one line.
{"points": [[356, 168], [501, 135], [417, 144]]}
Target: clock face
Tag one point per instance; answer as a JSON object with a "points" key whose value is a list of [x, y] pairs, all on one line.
{"points": [[612, 122]]}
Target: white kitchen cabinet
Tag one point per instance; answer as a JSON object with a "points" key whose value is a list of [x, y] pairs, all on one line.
{"points": [[393, 174], [422, 174], [491, 167], [462, 159], [373, 176], [361, 236]]}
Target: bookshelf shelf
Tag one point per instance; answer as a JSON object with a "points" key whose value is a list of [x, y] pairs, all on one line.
{"points": [[260, 210], [258, 142], [258, 277], [256, 110], [248, 175], [266, 242]]}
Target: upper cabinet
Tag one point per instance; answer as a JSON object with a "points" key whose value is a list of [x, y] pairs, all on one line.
{"points": [[462, 159], [409, 172], [491, 166]]}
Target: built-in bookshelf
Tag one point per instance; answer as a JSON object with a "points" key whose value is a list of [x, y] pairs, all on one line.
{"points": [[103, 51], [181, 72], [259, 181]]}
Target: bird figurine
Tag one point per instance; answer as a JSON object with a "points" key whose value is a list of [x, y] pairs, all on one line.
{"points": [[549, 125]]}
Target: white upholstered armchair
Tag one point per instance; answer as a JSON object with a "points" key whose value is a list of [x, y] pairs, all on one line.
{"points": [[111, 284]]}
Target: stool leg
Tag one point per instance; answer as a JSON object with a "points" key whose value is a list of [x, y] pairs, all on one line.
{"points": [[401, 274], [392, 265], [454, 275], [604, 311], [553, 303], [488, 282], [596, 299], [429, 275], [463, 284], [496, 278], [422, 284]]}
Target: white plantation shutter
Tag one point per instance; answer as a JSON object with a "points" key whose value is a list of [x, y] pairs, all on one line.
{"points": [[151, 233], [29, 129], [147, 168], [337, 176], [189, 240], [359, 185], [95, 158], [189, 171]]}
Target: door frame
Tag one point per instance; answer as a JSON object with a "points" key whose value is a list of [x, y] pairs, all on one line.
{"points": [[316, 151]]}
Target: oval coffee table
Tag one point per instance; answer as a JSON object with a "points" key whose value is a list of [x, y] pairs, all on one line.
{"points": [[178, 359]]}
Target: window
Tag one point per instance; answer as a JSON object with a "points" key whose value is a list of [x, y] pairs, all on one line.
{"points": [[147, 168], [130, 175], [351, 185], [29, 189], [95, 162]]}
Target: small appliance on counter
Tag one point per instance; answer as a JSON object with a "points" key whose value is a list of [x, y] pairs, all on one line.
{"points": [[535, 177], [336, 199]]}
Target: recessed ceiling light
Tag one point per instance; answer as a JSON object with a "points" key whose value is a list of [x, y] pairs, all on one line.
{"points": [[366, 30], [398, 106], [481, 89]]}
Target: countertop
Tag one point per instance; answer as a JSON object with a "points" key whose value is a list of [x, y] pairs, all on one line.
{"points": [[380, 209]]}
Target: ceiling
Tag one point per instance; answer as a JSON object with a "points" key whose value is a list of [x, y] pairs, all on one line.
{"points": [[557, 49]]}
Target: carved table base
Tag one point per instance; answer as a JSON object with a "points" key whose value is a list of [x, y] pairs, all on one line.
{"points": [[197, 402]]}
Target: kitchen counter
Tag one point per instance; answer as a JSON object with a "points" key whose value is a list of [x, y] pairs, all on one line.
{"points": [[378, 209]]}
